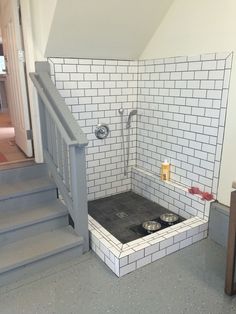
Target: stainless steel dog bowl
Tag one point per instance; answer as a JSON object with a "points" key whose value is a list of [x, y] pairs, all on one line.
{"points": [[151, 226], [169, 218]]}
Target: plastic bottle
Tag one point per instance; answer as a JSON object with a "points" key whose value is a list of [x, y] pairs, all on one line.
{"points": [[165, 171]]}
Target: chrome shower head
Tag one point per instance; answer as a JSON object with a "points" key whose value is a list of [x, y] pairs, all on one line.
{"points": [[132, 113]]}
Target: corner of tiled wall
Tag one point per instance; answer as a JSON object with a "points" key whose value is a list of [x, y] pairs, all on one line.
{"points": [[181, 104]]}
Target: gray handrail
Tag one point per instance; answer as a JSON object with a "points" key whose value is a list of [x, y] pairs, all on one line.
{"points": [[41, 92], [47, 89], [63, 148]]}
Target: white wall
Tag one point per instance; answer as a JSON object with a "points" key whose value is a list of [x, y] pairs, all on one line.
{"points": [[192, 27], [42, 13], [104, 29]]}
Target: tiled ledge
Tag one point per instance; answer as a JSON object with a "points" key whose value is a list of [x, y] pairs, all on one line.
{"points": [[125, 258], [171, 183], [168, 194]]}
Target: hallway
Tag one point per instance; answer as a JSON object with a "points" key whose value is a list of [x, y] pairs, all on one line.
{"points": [[9, 151]]}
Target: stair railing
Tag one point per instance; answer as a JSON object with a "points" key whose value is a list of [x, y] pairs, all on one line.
{"points": [[63, 148]]}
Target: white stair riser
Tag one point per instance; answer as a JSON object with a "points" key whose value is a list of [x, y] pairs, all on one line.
{"points": [[33, 229]]}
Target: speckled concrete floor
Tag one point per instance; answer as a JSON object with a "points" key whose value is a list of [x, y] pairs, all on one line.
{"points": [[189, 281]]}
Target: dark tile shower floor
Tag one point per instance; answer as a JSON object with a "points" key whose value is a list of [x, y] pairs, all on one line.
{"points": [[121, 212]]}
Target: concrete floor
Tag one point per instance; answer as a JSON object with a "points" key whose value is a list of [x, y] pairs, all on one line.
{"points": [[189, 281]]}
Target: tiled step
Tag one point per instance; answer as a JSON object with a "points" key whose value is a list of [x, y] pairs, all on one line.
{"points": [[39, 247], [20, 223]]}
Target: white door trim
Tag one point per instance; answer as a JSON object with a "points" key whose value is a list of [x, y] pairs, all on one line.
{"points": [[30, 67]]}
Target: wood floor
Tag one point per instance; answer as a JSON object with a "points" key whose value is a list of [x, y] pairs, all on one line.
{"points": [[9, 151]]}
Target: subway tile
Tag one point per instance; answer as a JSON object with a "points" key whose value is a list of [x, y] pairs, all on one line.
{"points": [[186, 93], [183, 66], [220, 64], [166, 243], [186, 242], [226, 79], [180, 237], [219, 84], [69, 68], [62, 76], [194, 84], [214, 94], [144, 261], [158, 255], [137, 255], [195, 66], [209, 65], [83, 68], [188, 75], [176, 76], [123, 261], [127, 269], [216, 75], [173, 248], [83, 61], [199, 93], [180, 59]]}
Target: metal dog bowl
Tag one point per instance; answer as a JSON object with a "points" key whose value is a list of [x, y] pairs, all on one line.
{"points": [[169, 218], [151, 226]]}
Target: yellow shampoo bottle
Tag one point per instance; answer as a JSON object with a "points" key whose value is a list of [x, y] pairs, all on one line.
{"points": [[165, 171]]}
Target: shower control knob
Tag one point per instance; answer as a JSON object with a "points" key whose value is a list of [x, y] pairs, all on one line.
{"points": [[102, 131]]}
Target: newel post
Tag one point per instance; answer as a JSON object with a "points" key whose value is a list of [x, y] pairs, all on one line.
{"points": [[79, 192]]}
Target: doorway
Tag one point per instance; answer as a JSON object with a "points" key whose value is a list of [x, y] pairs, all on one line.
{"points": [[10, 153], [15, 127]]}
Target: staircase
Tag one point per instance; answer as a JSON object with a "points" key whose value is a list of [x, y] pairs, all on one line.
{"points": [[34, 223]]}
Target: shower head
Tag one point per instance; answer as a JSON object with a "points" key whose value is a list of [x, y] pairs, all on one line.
{"points": [[132, 113]]}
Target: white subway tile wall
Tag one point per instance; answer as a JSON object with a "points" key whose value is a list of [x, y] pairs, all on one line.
{"points": [[182, 107], [94, 90], [181, 115]]}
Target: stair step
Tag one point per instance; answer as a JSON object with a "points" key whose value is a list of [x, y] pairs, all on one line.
{"points": [[21, 188], [16, 219], [29, 250], [17, 164], [23, 173]]}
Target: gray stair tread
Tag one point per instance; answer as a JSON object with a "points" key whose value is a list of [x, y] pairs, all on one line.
{"points": [[23, 173], [23, 187], [15, 219], [32, 249]]}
